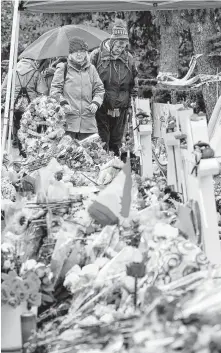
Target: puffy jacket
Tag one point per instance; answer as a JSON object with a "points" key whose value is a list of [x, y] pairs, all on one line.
{"points": [[119, 76], [28, 71], [82, 86]]}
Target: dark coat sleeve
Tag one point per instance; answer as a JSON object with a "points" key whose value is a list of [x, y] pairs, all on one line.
{"points": [[134, 81]]}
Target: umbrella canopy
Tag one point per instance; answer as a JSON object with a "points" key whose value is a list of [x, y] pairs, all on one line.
{"points": [[71, 6], [55, 42]]}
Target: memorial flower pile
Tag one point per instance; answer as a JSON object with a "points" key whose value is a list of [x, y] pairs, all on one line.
{"points": [[44, 117]]}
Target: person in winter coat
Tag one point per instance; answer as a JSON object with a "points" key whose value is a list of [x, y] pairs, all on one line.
{"points": [[80, 85], [28, 75], [118, 73]]}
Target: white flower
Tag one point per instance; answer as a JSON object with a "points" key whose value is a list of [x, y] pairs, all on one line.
{"points": [[28, 266], [72, 280], [7, 264], [50, 276], [7, 247]]}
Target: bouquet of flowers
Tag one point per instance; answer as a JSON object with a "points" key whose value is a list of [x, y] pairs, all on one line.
{"points": [[30, 282], [72, 154], [9, 261], [7, 189], [44, 276], [171, 124], [42, 118], [15, 289], [143, 118], [95, 150]]}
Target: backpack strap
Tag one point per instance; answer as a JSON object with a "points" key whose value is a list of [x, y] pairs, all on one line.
{"points": [[28, 80], [65, 71], [24, 88]]}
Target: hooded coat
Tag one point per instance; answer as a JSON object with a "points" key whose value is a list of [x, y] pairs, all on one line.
{"points": [[28, 74], [118, 74], [81, 87]]}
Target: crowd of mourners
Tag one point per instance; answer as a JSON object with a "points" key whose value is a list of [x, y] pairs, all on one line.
{"points": [[98, 86]]}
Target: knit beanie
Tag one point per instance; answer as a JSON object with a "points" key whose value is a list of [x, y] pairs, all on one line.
{"points": [[76, 44], [119, 31]]}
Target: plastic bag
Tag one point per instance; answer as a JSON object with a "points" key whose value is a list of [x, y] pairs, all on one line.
{"points": [[46, 174], [57, 191]]}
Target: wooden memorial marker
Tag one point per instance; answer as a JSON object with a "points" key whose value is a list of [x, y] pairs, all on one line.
{"points": [[198, 181], [143, 134]]}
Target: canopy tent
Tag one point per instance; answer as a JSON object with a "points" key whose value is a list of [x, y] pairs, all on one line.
{"points": [[62, 6], [73, 6]]}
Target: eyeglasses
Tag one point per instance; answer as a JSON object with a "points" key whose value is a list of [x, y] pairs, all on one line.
{"points": [[120, 44], [80, 52]]}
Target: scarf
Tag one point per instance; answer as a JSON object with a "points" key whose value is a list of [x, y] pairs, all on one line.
{"points": [[79, 66], [107, 54]]}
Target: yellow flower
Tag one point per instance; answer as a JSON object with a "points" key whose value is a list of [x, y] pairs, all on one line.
{"points": [[40, 272], [18, 286], [32, 280], [13, 302], [27, 285], [23, 296], [35, 299]]}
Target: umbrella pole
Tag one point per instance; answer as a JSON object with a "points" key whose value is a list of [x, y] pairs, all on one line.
{"points": [[9, 81], [13, 85]]}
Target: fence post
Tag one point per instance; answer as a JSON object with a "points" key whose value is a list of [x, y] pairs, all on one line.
{"points": [[144, 137], [204, 194]]}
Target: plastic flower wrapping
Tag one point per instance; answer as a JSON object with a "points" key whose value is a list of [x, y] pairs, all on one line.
{"points": [[8, 258]]}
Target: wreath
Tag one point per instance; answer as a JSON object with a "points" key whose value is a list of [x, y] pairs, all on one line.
{"points": [[44, 119]]}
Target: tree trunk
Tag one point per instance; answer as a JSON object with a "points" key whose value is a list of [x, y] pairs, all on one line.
{"points": [[202, 27], [169, 43]]}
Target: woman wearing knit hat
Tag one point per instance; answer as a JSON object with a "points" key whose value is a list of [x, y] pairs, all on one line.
{"points": [[118, 73], [80, 85]]}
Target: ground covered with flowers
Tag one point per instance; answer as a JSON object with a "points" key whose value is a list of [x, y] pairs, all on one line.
{"points": [[130, 284]]}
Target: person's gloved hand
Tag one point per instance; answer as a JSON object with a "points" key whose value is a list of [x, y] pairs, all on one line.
{"points": [[130, 114], [49, 71], [134, 93], [93, 108]]}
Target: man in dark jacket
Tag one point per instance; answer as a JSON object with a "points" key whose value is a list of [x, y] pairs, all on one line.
{"points": [[118, 73]]}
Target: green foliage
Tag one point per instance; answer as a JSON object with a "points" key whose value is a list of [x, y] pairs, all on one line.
{"points": [[6, 28], [144, 33]]}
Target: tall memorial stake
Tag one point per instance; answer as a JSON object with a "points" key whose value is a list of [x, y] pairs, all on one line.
{"points": [[196, 177], [12, 60]]}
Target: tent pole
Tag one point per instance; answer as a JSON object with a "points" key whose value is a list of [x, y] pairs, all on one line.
{"points": [[9, 81], [11, 113]]}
